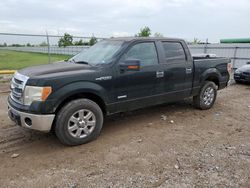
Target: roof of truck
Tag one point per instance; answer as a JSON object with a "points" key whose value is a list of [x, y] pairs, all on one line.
{"points": [[143, 38]]}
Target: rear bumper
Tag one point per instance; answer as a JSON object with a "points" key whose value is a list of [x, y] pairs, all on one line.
{"points": [[32, 121]]}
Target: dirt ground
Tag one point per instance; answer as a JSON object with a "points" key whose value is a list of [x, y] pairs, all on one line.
{"points": [[164, 146]]}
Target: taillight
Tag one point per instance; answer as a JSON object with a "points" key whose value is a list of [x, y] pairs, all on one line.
{"points": [[229, 67]]}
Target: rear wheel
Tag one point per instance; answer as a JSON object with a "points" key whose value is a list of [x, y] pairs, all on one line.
{"points": [[78, 122], [206, 97]]}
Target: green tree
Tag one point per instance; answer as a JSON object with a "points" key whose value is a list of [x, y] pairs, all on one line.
{"points": [[17, 45], [66, 40], [92, 40], [28, 44], [158, 34], [43, 44], [85, 43], [144, 32], [196, 41], [3, 45], [79, 43]]}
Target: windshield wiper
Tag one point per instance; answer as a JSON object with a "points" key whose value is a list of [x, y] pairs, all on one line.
{"points": [[80, 62]]}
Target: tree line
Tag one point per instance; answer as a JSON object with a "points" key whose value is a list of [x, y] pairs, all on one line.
{"points": [[67, 39]]}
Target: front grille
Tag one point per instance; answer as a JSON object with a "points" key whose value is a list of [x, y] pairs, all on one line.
{"points": [[17, 90], [17, 87], [246, 73], [18, 81]]}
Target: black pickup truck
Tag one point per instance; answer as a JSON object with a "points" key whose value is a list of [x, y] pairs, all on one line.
{"points": [[115, 75]]}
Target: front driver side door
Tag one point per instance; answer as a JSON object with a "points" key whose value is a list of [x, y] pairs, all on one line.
{"points": [[135, 88]]}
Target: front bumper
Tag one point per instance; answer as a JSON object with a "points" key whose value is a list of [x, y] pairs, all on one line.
{"points": [[32, 121], [242, 77]]}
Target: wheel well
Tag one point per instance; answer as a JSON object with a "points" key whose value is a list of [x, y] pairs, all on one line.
{"points": [[98, 100], [213, 79]]}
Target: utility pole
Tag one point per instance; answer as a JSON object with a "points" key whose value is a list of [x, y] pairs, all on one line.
{"points": [[48, 46], [205, 47]]}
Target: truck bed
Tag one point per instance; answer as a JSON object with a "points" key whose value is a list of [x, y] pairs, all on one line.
{"points": [[219, 64]]}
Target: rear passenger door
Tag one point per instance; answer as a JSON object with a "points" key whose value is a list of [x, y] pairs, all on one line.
{"points": [[177, 70]]}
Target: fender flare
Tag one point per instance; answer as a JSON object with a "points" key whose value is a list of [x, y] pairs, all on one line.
{"points": [[211, 72], [76, 88]]}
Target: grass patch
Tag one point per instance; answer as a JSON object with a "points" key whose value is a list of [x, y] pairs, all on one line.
{"points": [[14, 60]]}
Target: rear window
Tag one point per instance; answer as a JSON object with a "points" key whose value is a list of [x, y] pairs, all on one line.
{"points": [[173, 51]]}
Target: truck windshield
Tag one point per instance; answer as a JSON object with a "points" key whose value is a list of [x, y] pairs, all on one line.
{"points": [[101, 53]]}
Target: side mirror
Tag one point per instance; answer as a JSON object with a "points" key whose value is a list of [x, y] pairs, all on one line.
{"points": [[130, 65]]}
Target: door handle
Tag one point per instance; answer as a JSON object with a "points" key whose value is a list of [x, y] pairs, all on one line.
{"points": [[159, 74], [188, 70]]}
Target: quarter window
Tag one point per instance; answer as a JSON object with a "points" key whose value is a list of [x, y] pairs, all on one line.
{"points": [[173, 51], [145, 52]]}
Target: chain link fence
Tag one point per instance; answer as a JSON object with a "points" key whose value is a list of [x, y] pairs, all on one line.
{"points": [[48, 44], [68, 50], [238, 53]]}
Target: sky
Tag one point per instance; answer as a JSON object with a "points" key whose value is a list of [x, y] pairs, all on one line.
{"points": [[188, 19]]}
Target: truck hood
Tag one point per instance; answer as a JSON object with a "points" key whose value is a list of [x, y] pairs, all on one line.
{"points": [[54, 69]]}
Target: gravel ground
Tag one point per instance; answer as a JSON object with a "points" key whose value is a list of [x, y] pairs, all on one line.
{"points": [[164, 146]]}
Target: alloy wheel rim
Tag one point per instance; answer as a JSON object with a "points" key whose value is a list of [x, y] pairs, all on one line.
{"points": [[81, 123], [208, 96]]}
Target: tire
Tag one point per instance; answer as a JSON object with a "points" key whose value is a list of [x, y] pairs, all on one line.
{"points": [[207, 96], [79, 122]]}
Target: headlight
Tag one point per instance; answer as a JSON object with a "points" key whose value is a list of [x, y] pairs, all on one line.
{"points": [[237, 71], [33, 93]]}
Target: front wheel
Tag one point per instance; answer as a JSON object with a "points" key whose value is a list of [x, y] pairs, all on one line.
{"points": [[78, 122], [206, 97]]}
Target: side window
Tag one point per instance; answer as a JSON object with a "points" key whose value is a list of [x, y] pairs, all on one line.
{"points": [[174, 51], [145, 52]]}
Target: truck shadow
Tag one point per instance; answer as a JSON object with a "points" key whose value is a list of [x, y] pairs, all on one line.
{"points": [[146, 115]]}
